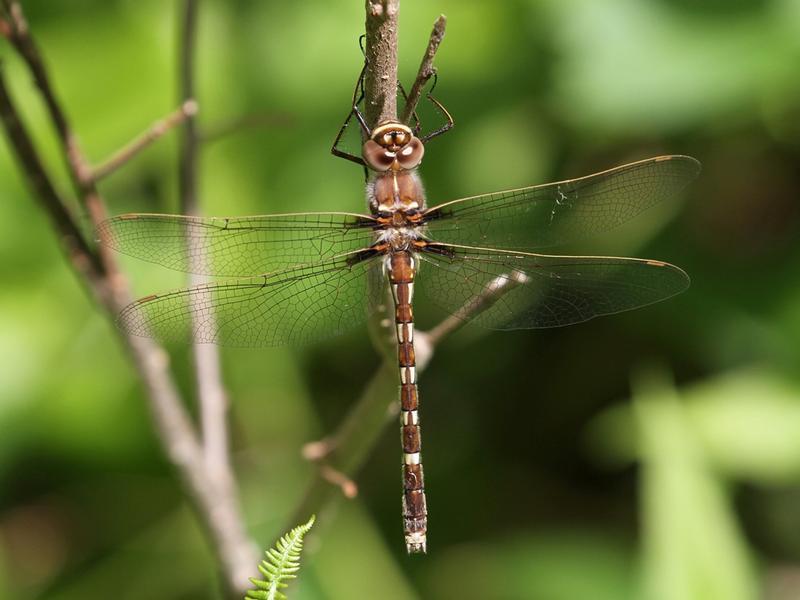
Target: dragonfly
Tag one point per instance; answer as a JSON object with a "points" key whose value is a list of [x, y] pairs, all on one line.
{"points": [[295, 278]]}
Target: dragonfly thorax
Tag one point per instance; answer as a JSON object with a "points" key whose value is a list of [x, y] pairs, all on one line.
{"points": [[393, 192], [400, 238]]}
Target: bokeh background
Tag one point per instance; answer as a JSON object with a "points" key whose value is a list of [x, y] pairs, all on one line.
{"points": [[654, 454]]}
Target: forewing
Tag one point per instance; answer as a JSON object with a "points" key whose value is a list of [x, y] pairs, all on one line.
{"points": [[516, 290], [237, 246], [294, 306], [554, 213]]}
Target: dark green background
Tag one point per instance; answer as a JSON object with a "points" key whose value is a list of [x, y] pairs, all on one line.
{"points": [[654, 454]]}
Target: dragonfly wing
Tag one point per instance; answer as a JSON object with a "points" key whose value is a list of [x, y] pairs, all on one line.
{"points": [[236, 246], [517, 290], [294, 306], [554, 213]]}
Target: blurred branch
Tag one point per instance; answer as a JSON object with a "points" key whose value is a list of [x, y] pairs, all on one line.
{"points": [[236, 552], [98, 268], [121, 157], [347, 450], [494, 290], [426, 68]]}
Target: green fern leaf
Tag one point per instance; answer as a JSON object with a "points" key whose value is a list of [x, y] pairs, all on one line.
{"points": [[282, 563]]}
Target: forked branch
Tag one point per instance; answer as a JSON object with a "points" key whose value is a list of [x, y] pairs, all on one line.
{"points": [[181, 444]]}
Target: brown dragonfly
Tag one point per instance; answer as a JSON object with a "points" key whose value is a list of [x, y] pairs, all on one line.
{"points": [[295, 278]]}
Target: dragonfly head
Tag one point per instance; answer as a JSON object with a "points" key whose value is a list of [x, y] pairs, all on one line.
{"points": [[392, 146]]}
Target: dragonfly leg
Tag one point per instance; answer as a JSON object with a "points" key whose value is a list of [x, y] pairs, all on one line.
{"points": [[358, 96], [449, 119], [414, 116]]}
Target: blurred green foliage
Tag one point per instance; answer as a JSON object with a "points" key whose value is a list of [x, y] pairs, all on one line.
{"points": [[560, 488]]}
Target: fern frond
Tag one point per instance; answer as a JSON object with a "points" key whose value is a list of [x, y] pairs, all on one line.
{"points": [[282, 563]]}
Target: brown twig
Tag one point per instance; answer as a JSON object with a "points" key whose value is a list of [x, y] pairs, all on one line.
{"points": [[343, 482], [122, 156], [426, 68], [354, 439], [175, 429]]}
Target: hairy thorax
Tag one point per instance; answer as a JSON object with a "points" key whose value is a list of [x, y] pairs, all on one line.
{"points": [[395, 191], [397, 199]]}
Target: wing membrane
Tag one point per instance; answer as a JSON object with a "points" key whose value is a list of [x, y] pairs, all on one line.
{"points": [[297, 305], [236, 247], [531, 291], [554, 213]]}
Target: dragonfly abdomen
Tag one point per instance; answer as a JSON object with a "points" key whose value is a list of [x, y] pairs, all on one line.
{"points": [[402, 269]]}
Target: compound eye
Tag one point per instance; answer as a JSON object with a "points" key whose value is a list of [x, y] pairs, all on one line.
{"points": [[376, 156], [411, 154]]}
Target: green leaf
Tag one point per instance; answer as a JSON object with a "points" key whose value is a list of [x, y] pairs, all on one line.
{"points": [[281, 564], [693, 547]]}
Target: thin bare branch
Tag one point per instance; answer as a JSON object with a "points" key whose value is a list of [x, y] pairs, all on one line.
{"points": [[208, 374], [426, 68], [345, 484], [122, 156], [318, 452], [356, 437], [235, 550]]}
